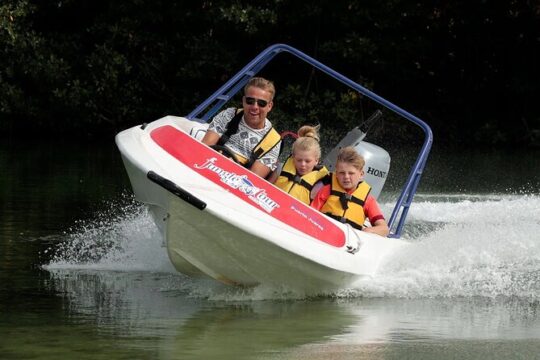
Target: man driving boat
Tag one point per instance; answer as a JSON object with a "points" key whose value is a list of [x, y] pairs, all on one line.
{"points": [[246, 132]]}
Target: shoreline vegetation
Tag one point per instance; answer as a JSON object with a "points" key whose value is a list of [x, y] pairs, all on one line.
{"points": [[92, 68]]}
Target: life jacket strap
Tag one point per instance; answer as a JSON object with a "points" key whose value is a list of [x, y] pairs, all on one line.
{"points": [[232, 127], [297, 179], [345, 198]]}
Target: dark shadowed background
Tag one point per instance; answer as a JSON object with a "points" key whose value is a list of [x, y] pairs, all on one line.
{"points": [[89, 68]]}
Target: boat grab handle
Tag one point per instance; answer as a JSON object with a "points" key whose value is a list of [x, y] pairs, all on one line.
{"points": [[176, 190]]}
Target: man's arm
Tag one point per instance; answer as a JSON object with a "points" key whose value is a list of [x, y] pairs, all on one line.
{"points": [[260, 169], [210, 138], [273, 177]]}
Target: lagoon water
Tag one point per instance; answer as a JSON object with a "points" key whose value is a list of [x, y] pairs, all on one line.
{"points": [[83, 274]]}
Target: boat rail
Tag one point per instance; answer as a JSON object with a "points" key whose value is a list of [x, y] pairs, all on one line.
{"points": [[208, 108]]}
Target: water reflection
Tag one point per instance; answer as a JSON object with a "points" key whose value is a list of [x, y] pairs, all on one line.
{"points": [[169, 308], [176, 317]]}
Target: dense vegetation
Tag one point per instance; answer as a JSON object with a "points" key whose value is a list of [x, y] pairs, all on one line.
{"points": [[470, 68]]}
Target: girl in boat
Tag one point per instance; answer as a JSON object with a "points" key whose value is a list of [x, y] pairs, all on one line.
{"points": [[302, 170], [347, 197]]}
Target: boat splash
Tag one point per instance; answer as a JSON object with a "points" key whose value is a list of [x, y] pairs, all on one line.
{"points": [[461, 246], [122, 237], [477, 246]]}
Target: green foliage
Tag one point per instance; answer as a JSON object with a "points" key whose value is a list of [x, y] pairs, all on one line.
{"points": [[92, 66]]}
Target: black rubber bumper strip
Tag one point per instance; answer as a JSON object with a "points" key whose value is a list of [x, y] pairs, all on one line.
{"points": [[176, 190]]}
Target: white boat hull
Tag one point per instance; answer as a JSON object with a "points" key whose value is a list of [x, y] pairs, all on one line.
{"points": [[220, 220]]}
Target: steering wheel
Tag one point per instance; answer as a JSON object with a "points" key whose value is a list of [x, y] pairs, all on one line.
{"points": [[226, 152]]}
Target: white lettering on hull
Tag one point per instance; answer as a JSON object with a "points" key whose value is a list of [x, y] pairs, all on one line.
{"points": [[242, 183]]}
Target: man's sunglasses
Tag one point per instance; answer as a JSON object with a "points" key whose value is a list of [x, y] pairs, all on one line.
{"points": [[251, 101]]}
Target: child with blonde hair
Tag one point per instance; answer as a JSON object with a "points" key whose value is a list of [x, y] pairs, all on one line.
{"points": [[347, 197], [302, 170]]}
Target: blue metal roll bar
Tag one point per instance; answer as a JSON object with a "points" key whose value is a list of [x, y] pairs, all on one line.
{"points": [[216, 101]]}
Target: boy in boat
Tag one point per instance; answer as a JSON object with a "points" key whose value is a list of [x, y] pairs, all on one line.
{"points": [[246, 132], [346, 198], [301, 171]]}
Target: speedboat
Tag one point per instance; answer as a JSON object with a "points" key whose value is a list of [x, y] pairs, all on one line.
{"points": [[220, 220]]}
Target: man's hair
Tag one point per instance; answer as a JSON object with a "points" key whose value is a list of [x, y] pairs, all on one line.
{"points": [[349, 155], [261, 83]]}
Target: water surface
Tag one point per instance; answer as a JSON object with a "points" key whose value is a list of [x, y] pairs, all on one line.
{"points": [[83, 273]]}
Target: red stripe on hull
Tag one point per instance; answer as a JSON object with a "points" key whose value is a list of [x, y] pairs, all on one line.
{"points": [[247, 186]]}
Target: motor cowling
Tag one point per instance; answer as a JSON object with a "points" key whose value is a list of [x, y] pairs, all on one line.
{"points": [[376, 167]]}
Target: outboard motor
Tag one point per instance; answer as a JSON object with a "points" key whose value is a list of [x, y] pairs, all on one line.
{"points": [[377, 159]]}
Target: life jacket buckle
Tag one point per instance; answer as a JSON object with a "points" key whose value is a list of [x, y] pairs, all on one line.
{"points": [[344, 200]]}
